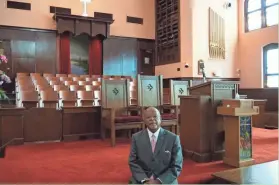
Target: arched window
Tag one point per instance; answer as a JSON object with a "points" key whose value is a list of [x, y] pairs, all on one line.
{"points": [[260, 14], [270, 65]]}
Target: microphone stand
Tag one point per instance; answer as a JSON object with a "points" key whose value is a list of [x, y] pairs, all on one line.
{"points": [[203, 75]]}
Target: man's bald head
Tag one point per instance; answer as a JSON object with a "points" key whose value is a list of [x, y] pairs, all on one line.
{"points": [[152, 118]]}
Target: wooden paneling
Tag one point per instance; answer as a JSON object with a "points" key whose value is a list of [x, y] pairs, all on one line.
{"points": [[120, 56], [29, 50], [146, 49], [125, 56], [167, 32], [270, 94], [11, 128], [45, 52]]}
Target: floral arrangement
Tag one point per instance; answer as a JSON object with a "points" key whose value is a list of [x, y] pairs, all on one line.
{"points": [[3, 59], [3, 78]]}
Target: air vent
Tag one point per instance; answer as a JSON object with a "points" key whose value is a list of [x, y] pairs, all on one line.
{"points": [[61, 10], [135, 20], [18, 5], [103, 15]]}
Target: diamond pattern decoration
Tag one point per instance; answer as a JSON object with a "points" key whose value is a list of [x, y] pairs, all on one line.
{"points": [[149, 87], [181, 91], [115, 91]]}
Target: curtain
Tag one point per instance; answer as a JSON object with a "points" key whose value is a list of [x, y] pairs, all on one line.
{"points": [[95, 56], [64, 54]]}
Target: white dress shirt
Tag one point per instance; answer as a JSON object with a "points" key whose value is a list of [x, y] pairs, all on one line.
{"points": [[156, 134]]}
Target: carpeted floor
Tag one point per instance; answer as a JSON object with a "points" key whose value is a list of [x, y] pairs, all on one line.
{"points": [[96, 162]]}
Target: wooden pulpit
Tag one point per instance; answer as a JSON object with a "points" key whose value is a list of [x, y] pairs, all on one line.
{"points": [[201, 128], [238, 131]]}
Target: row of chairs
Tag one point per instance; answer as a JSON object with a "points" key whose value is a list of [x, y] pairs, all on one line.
{"points": [[120, 110], [70, 90]]}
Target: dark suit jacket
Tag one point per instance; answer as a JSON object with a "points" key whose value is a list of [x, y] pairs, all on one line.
{"points": [[165, 163]]}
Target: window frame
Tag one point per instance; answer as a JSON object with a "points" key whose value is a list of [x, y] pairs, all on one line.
{"points": [[266, 48], [263, 14]]}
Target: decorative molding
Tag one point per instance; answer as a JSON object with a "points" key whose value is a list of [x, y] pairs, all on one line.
{"points": [[79, 24]]}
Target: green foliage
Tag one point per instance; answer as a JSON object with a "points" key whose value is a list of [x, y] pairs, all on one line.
{"points": [[3, 95]]}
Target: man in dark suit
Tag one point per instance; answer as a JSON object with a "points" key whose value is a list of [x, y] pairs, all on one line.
{"points": [[156, 154]]}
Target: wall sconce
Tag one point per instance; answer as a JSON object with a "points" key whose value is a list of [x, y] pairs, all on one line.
{"points": [[238, 72]]}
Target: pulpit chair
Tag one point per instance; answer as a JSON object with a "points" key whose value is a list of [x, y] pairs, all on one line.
{"points": [[116, 113], [150, 93], [177, 88]]}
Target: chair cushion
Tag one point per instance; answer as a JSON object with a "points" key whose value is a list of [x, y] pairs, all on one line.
{"points": [[167, 116], [127, 119]]}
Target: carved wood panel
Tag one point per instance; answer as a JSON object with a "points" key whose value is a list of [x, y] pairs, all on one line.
{"points": [[178, 88], [29, 50], [115, 93], [167, 31], [150, 90], [80, 24]]}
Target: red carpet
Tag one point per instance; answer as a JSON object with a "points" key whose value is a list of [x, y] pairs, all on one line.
{"points": [[96, 162]]}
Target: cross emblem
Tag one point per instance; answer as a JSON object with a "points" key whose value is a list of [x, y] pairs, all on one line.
{"points": [[149, 87], [181, 91], [85, 2], [115, 91]]}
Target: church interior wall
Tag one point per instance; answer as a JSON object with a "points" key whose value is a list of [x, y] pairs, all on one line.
{"points": [[40, 17], [250, 46], [194, 41]]}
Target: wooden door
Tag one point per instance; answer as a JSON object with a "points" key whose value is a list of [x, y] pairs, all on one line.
{"points": [[120, 57], [147, 62]]}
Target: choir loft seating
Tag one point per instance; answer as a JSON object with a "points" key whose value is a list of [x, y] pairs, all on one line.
{"points": [[71, 107]]}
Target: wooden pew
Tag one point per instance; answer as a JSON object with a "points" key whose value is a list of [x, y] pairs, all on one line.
{"points": [[150, 93], [69, 123], [116, 113], [267, 100]]}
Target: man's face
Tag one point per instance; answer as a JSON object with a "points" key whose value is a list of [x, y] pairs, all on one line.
{"points": [[152, 119]]}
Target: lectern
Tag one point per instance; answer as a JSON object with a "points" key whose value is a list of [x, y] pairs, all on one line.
{"points": [[238, 131], [201, 128]]}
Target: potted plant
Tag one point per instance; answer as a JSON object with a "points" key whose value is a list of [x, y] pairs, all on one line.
{"points": [[3, 78]]}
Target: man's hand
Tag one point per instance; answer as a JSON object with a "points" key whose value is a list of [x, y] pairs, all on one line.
{"points": [[151, 181]]}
